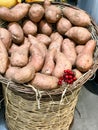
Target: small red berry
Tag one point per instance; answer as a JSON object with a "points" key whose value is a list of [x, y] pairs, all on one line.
{"points": [[66, 76], [65, 71], [65, 80], [71, 73], [61, 78], [70, 76], [74, 78], [68, 81], [59, 82]]}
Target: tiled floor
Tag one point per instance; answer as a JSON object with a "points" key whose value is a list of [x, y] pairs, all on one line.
{"points": [[86, 113]]}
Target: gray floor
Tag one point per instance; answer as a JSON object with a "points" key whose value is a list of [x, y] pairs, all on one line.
{"points": [[86, 113]]}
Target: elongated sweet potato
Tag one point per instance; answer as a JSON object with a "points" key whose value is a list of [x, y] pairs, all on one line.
{"points": [[16, 32], [62, 63], [19, 54], [78, 34], [35, 42], [77, 17], [56, 42], [85, 59], [42, 81], [79, 48], [68, 48], [20, 75], [36, 59], [3, 58], [15, 13], [49, 62], [5, 37]]}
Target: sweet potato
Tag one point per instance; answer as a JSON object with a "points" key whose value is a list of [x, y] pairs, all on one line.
{"points": [[78, 34], [79, 48], [53, 13], [36, 59], [49, 62], [77, 73], [56, 42], [42, 81], [3, 58], [36, 12], [29, 27], [63, 25], [46, 3], [16, 32], [5, 37], [44, 39], [19, 54], [68, 48], [76, 16], [85, 59], [20, 75], [12, 49], [62, 63], [34, 41], [45, 27], [15, 13]]}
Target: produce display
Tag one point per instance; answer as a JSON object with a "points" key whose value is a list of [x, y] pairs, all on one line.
{"points": [[44, 45]]}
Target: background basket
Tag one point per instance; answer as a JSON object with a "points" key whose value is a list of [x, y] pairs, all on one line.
{"points": [[30, 109]]}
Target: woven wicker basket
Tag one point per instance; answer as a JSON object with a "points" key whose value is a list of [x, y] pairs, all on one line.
{"points": [[31, 109]]}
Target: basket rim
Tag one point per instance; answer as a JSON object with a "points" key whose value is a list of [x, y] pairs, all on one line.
{"points": [[22, 90]]}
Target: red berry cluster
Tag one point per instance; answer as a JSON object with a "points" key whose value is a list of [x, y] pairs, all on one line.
{"points": [[68, 77]]}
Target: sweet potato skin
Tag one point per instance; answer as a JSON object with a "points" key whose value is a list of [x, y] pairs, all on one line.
{"points": [[68, 48], [16, 31], [77, 17], [36, 58], [42, 81], [77, 73], [44, 39], [35, 42], [5, 37], [14, 14], [3, 58], [53, 13], [63, 25], [79, 34], [62, 63], [56, 41], [20, 75], [29, 27], [85, 59], [79, 48], [45, 27], [20, 54], [36, 12], [49, 62]]}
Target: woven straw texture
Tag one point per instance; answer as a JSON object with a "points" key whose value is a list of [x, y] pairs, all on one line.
{"points": [[27, 108], [22, 114]]}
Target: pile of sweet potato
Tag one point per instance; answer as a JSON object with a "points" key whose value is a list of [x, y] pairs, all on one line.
{"points": [[41, 41]]}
